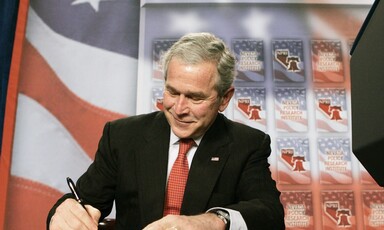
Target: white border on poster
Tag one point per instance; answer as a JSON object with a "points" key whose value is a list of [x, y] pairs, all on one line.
{"points": [[349, 2]]}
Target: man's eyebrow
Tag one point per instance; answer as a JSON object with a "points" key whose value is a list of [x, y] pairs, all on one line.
{"points": [[188, 93], [196, 95], [168, 87]]}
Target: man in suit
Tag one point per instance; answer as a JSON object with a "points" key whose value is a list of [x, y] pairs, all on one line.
{"points": [[229, 184]]}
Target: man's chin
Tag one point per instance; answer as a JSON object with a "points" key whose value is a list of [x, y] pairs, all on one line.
{"points": [[183, 131], [181, 134]]}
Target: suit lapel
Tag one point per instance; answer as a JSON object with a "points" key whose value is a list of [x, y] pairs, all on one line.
{"points": [[207, 164], [152, 169]]}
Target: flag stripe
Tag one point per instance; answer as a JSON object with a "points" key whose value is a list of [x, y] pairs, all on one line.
{"points": [[95, 75], [27, 197], [83, 120], [43, 149]]}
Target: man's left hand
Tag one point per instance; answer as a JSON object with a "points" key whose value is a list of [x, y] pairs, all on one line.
{"points": [[176, 222]]}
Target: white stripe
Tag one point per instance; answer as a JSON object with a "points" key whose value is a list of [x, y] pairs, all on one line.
{"points": [[43, 149], [101, 77]]}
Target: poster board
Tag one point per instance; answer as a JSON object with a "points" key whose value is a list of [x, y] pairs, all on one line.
{"points": [[298, 83]]}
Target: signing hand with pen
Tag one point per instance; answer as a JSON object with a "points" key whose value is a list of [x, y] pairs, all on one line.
{"points": [[72, 215]]}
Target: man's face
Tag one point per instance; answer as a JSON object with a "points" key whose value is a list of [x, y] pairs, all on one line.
{"points": [[190, 101]]}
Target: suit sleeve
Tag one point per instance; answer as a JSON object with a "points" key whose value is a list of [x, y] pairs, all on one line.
{"points": [[258, 198], [96, 186]]}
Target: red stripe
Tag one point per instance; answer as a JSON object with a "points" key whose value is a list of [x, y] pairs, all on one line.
{"points": [[83, 120], [28, 204]]}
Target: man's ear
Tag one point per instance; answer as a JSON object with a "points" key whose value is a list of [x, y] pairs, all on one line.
{"points": [[226, 98]]}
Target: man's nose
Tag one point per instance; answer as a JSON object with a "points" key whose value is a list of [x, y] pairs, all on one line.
{"points": [[181, 105]]}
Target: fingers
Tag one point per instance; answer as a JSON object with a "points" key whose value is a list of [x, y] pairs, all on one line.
{"points": [[71, 215], [94, 213], [165, 223], [171, 222], [197, 222]]}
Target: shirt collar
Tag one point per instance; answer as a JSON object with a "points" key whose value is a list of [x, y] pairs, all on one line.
{"points": [[174, 139]]}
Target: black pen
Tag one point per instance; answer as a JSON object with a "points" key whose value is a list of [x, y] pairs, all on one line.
{"points": [[72, 187]]}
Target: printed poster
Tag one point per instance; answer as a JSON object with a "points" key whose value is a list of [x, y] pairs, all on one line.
{"points": [[298, 210], [291, 110], [250, 107], [327, 63], [294, 164], [288, 61], [335, 163], [249, 60], [160, 47], [331, 110], [338, 210], [157, 99], [373, 205]]}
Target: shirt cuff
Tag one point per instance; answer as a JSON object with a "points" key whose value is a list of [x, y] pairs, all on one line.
{"points": [[237, 221]]}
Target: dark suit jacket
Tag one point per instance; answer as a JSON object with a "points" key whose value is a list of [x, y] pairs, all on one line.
{"points": [[130, 167]]}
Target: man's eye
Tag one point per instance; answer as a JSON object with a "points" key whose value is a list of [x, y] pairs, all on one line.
{"points": [[196, 99]]}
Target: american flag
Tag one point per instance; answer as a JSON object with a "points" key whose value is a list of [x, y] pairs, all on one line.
{"points": [[78, 70]]}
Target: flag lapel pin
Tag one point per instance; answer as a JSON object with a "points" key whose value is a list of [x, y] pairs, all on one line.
{"points": [[215, 158]]}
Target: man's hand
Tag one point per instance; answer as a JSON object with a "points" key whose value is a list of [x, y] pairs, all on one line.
{"points": [[198, 222], [71, 215]]}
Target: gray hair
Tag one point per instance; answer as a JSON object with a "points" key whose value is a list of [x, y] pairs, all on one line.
{"points": [[195, 48]]}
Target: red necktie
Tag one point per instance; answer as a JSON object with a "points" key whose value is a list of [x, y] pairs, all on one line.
{"points": [[178, 179]]}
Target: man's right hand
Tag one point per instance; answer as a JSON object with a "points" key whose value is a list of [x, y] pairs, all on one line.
{"points": [[71, 215]]}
